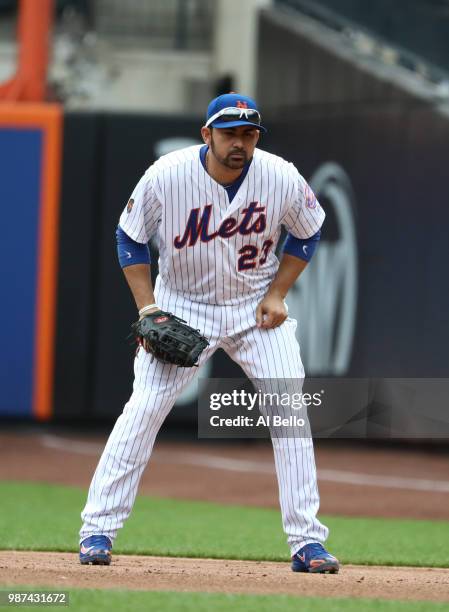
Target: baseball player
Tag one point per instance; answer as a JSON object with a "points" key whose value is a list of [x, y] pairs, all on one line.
{"points": [[217, 210]]}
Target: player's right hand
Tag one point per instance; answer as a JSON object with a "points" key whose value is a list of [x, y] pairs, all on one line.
{"points": [[153, 310]]}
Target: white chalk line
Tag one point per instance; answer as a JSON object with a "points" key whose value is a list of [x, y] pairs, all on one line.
{"points": [[256, 467]]}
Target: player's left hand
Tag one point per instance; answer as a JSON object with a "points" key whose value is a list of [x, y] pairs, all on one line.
{"points": [[271, 312]]}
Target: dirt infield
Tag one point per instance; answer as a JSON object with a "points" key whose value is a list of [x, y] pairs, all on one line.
{"points": [[354, 481], [62, 570]]}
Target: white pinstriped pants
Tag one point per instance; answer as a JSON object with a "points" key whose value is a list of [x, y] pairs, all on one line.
{"points": [[272, 354]]}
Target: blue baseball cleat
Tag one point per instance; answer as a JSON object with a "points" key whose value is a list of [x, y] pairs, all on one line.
{"points": [[96, 549], [315, 559]]}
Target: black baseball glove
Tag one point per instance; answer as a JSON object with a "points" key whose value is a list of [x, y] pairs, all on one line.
{"points": [[169, 339]]}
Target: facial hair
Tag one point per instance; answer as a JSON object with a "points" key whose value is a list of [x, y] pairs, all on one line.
{"points": [[227, 161]]}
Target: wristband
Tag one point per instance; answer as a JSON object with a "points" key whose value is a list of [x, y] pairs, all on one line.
{"points": [[146, 309]]}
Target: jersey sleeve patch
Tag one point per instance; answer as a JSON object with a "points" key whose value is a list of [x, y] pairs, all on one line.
{"points": [[304, 216], [142, 213]]}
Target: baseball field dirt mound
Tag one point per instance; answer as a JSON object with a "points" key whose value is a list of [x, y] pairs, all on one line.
{"points": [[225, 576]]}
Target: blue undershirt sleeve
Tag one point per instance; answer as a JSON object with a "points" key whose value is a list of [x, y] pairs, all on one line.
{"points": [[129, 251], [302, 248]]}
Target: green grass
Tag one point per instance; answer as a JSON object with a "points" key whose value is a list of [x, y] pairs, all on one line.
{"points": [[214, 602], [36, 516], [143, 601]]}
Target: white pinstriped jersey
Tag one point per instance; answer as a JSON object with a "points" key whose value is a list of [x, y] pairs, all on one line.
{"points": [[211, 250], [216, 261]]}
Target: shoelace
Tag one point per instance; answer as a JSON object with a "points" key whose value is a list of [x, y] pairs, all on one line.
{"points": [[314, 550], [99, 541]]}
